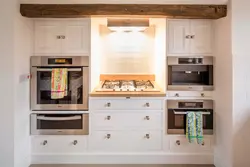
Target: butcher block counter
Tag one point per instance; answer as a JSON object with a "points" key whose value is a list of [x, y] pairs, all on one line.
{"points": [[127, 86]]}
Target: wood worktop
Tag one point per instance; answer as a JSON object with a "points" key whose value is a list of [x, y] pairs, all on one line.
{"points": [[127, 94]]}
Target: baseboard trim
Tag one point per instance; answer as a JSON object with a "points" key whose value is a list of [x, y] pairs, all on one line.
{"points": [[123, 159]]}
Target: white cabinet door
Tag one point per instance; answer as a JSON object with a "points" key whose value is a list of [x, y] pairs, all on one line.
{"points": [[46, 37], [201, 31], [77, 38], [178, 40]]}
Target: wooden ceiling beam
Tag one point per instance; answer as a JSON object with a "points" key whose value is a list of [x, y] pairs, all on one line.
{"points": [[140, 10]]}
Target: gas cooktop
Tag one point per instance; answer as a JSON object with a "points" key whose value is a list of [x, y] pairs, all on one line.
{"points": [[128, 85]]}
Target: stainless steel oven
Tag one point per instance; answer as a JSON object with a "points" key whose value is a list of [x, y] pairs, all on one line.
{"points": [[77, 83], [190, 73], [59, 124], [177, 110]]}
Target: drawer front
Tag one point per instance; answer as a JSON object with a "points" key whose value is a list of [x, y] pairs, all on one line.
{"points": [[181, 144], [126, 104], [111, 121], [189, 94], [58, 144], [126, 141]]}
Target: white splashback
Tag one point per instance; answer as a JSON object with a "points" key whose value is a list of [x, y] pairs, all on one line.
{"points": [[127, 52]]}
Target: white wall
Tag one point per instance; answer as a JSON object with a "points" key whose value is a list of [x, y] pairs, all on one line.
{"points": [[223, 92], [23, 44], [7, 11], [15, 49], [241, 82]]}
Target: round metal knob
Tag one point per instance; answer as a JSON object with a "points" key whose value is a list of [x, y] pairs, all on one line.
{"points": [[178, 142], [108, 136], [202, 95], [147, 118], [75, 142], [177, 95], [147, 136], [108, 104], [108, 117], [203, 144], [147, 105], [45, 142]]}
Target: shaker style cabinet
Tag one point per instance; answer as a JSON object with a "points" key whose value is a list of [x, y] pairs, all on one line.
{"points": [[189, 37], [69, 37]]}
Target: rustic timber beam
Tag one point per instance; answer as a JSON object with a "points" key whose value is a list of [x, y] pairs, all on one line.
{"points": [[141, 10]]}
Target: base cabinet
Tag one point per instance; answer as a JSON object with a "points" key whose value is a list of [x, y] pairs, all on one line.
{"points": [[122, 141]]}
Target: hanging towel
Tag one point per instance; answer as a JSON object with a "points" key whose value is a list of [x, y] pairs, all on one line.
{"points": [[59, 83], [191, 127], [199, 127]]}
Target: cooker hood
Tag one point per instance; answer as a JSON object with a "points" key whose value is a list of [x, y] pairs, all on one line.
{"points": [[128, 25]]}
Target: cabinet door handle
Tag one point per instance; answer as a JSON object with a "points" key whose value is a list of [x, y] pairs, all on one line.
{"points": [[203, 144], [58, 37], [108, 117], [108, 136], [147, 136], [202, 95], [178, 142], [45, 142], [108, 104], [177, 95], [188, 36], [147, 105], [75, 142], [192, 36], [63, 37], [147, 118]]}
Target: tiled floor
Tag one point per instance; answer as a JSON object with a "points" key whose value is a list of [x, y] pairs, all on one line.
{"points": [[122, 165]]}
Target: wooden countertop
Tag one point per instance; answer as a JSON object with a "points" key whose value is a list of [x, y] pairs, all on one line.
{"points": [[127, 94]]}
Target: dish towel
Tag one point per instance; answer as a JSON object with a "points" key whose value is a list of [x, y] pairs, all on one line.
{"points": [[59, 83], [199, 127], [191, 127], [194, 127]]}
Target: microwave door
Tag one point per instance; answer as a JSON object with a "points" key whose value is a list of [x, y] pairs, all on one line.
{"points": [[77, 90]]}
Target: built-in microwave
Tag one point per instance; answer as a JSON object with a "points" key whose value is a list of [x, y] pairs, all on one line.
{"points": [[77, 83], [59, 124], [190, 73], [176, 115]]}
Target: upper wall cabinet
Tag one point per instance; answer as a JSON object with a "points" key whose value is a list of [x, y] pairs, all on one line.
{"points": [[189, 37], [70, 37]]}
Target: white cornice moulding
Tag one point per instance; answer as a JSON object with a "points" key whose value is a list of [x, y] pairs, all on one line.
{"points": [[124, 1]]}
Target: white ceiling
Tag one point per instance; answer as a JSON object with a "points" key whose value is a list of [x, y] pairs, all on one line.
{"points": [[125, 1]]}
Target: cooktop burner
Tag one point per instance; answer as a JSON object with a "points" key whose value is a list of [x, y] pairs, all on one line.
{"points": [[128, 85]]}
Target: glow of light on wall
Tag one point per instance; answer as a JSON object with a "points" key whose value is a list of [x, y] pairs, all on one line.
{"points": [[128, 29]]}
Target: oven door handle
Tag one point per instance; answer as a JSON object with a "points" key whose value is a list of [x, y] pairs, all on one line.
{"points": [[58, 118], [181, 113], [50, 69]]}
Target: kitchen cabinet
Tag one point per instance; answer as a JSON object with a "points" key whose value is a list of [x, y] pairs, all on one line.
{"points": [[67, 37], [189, 37], [122, 124]]}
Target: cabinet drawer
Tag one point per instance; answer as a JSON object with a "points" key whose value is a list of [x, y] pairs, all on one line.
{"points": [[181, 144], [110, 121], [58, 144], [126, 141], [189, 94], [126, 104]]}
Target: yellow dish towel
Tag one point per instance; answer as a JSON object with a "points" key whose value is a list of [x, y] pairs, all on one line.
{"points": [[59, 83]]}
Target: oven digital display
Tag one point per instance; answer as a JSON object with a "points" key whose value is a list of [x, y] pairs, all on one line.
{"points": [[190, 105], [60, 61]]}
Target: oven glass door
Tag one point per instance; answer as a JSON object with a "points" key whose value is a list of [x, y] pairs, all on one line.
{"points": [[181, 75], [76, 90], [59, 124], [177, 122]]}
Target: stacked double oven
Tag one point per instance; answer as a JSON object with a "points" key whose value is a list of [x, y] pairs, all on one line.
{"points": [[67, 115], [192, 74]]}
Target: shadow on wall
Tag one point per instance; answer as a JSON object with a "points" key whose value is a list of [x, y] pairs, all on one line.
{"points": [[241, 142]]}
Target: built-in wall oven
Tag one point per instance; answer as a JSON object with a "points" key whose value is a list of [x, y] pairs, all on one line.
{"points": [[77, 83], [59, 124], [190, 73], [177, 110]]}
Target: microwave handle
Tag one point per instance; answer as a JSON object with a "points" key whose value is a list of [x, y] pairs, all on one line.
{"points": [[181, 113], [58, 118], [50, 69]]}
